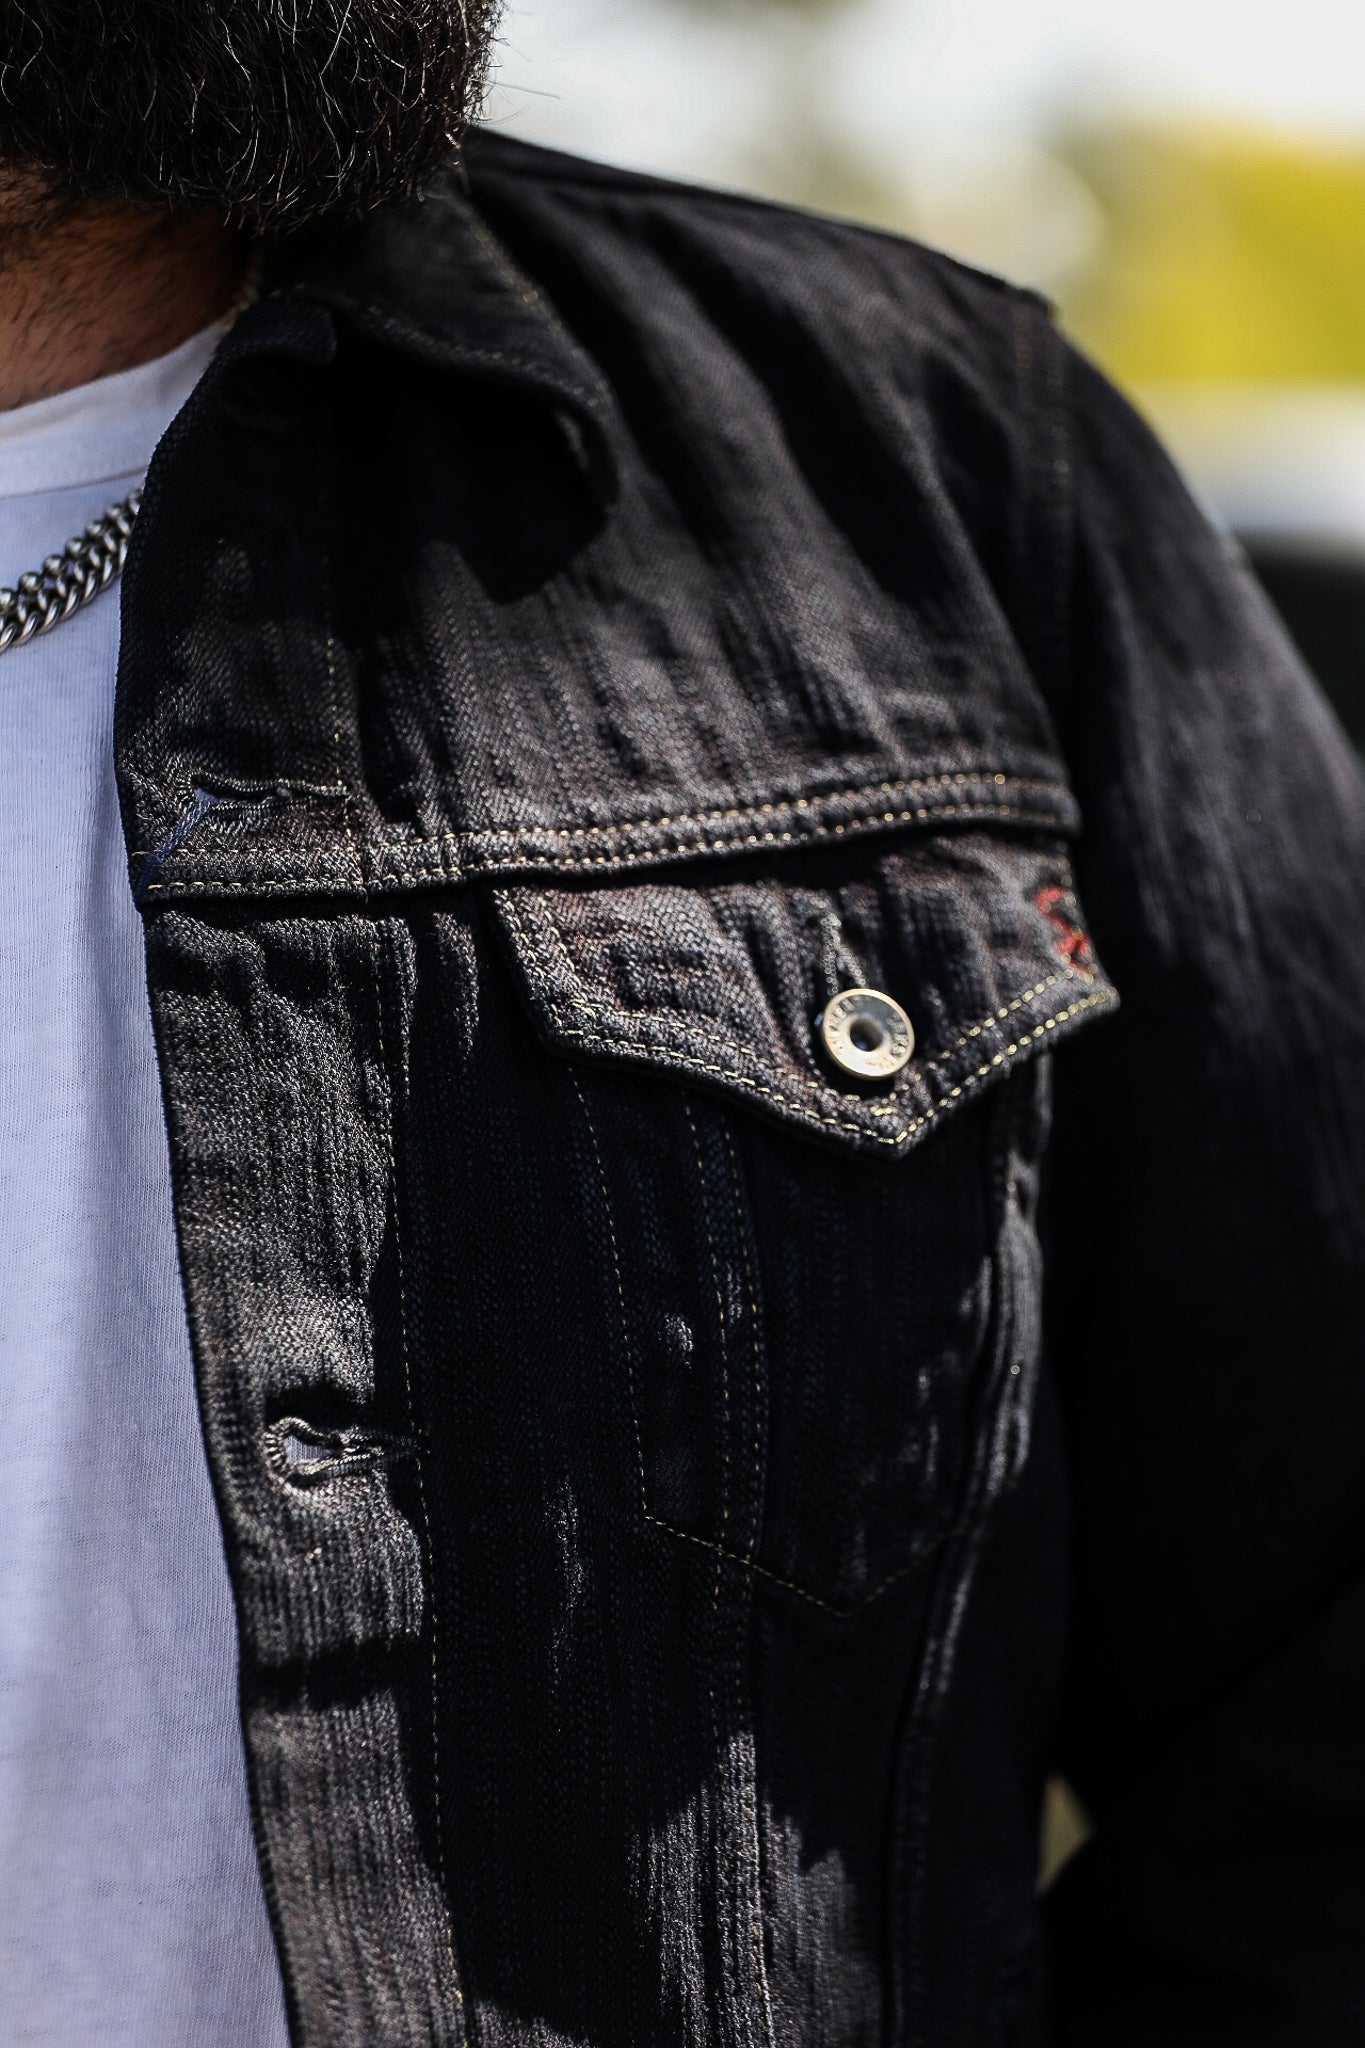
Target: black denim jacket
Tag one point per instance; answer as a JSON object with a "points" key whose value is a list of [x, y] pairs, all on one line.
{"points": [[579, 626]]}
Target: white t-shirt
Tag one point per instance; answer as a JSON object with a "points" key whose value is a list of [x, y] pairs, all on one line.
{"points": [[131, 1909]]}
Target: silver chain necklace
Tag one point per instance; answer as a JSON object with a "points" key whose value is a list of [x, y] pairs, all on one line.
{"points": [[91, 562], [86, 566]]}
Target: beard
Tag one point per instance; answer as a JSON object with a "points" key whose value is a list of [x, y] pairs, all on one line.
{"points": [[273, 113]]}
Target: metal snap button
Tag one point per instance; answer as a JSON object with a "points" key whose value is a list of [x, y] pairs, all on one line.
{"points": [[866, 1033]]}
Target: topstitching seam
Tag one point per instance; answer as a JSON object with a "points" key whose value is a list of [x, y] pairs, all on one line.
{"points": [[748, 1785], [605, 1032], [577, 1001], [626, 1344], [747, 1562], [532, 296], [480, 846], [475, 860], [1101, 1000], [721, 1550], [465, 352], [896, 786], [419, 1459]]}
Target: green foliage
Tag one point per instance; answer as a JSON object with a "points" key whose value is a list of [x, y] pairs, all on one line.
{"points": [[1226, 255], [1215, 253]]}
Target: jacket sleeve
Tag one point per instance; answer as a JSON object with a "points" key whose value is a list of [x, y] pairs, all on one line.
{"points": [[1206, 1284]]}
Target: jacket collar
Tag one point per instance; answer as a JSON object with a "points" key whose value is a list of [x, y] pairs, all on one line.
{"points": [[431, 279]]}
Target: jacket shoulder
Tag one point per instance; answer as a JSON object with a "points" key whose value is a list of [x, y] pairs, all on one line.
{"points": [[775, 247]]}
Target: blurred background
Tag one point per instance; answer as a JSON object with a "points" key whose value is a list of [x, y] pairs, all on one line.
{"points": [[1186, 180]]}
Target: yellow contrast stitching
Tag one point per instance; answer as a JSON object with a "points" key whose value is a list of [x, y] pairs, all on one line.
{"points": [[746, 1561], [419, 1460], [426, 1528], [756, 1350], [667, 1053], [751, 1293], [726, 1042], [761, 1571], [685, 848], [721, 1551], [476, 858], [722, 813], [620, 1295], [477, 862], [670, 1054]]}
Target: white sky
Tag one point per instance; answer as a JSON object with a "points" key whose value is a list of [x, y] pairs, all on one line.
{"points": [[636, 81]]}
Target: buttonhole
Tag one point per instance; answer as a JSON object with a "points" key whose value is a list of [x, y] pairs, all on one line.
{"points": [[305, 1454], [301, 1450]]}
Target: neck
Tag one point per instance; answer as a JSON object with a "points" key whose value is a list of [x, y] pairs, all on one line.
{"points": [[88, 289]]}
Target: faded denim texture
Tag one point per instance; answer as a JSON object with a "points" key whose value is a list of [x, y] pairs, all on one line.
{"points": [[619, 618]]}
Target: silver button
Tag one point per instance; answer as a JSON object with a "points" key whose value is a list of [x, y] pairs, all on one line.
{"points": [[866, 1033]]}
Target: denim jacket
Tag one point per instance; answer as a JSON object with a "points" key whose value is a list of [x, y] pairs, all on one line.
{"points": [[683, 1492]]}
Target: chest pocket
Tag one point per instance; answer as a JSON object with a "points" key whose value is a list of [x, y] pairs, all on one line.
{"points": [[813, 1222]]}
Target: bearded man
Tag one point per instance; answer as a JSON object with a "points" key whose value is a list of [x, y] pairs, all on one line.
{"points": [[582, 1430]]}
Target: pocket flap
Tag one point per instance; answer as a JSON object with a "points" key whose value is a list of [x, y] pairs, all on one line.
{"points": [[720, 977]]}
